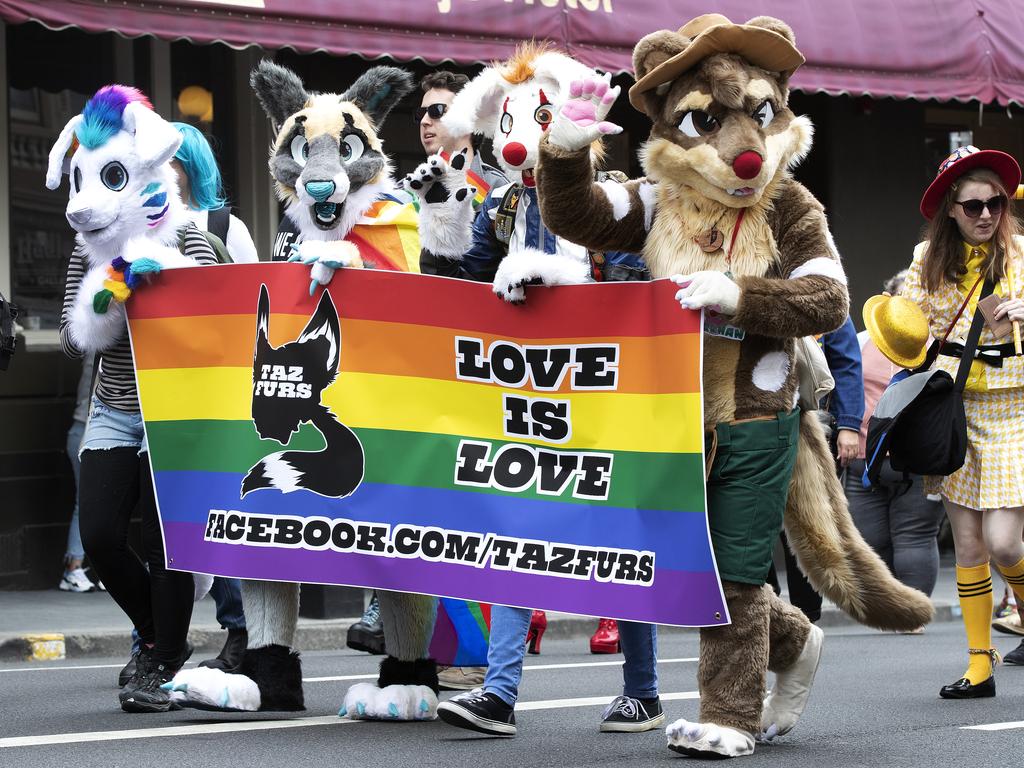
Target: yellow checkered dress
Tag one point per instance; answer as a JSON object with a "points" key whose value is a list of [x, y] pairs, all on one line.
{"points": [[992, 477]]}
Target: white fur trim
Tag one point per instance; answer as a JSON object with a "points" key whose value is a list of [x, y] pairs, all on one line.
{"points": [[648, 196], [709, 737], [823, 266], [92, 332], [214, 688], [55, 163], [202, 582], [356, 205], [520, 267], [771, 372], [447, 229], [618, 196], [271, 612], [365, 701]]}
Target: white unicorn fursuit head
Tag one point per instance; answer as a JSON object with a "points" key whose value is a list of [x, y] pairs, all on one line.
{"points": [[124, 204]]}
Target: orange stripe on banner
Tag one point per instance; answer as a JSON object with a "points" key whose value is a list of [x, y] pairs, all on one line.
{"points": [[649, 365]]}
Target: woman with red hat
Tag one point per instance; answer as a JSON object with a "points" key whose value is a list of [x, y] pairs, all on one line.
{"points": [[973, 248]]}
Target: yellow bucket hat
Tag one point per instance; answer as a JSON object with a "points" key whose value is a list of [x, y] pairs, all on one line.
{"points": [[899, 329]]}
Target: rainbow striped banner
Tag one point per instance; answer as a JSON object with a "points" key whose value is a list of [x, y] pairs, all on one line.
{"points": [[547, 456]]}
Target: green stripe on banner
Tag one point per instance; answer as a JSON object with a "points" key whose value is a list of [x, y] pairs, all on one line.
{"points": [[418, 459]]}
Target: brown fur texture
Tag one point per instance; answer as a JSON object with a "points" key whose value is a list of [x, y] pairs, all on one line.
{"points": [[765, 634], [830, 550]]}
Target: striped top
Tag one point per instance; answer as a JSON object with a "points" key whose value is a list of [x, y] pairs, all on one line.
{"points": [[115, 382]]}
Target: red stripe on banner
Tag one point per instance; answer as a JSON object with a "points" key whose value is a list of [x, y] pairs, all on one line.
{"points": [[595, 309]]}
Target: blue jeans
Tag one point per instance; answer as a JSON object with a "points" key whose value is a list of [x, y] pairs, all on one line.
{"points": [[111, 428], [75, 550], [227, 594], [507, 648]]}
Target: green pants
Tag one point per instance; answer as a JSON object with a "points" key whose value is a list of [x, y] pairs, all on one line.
{"points": [[746, 493]]}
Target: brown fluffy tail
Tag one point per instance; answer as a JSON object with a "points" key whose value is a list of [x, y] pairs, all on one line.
{"points": [[830, 550]]}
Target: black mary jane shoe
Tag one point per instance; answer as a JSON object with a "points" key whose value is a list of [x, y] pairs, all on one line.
{"points": [[962, 689]]}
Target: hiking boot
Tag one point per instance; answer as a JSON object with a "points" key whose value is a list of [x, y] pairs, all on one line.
{"points": [[479, 711], [127, 671], [460, 678], [367, 634], [146, 695], [628, 715], [230, 657]]}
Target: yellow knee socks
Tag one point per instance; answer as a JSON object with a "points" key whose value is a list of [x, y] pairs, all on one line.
{"points": [[975, 588], [1014, 575]]}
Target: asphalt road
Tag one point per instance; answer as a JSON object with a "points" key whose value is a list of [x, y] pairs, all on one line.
{"points": [[875, 702]]}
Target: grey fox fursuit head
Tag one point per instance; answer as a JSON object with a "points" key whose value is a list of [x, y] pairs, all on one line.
{"points": [[329, 168], [327, 160], [287, 383]]}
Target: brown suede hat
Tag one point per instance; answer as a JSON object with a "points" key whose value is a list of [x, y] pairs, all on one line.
{"points": [[714, 33]]}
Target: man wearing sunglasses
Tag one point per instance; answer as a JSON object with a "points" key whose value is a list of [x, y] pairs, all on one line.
{"points": [[439, 88]]}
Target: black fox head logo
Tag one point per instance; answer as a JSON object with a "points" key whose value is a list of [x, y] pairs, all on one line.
{"points": [[287, 383]]}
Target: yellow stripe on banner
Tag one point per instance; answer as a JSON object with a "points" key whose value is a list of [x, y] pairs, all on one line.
{"points": [[611, 421]]}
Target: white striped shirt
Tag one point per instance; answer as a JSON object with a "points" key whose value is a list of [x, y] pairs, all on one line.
{"points": [[115, 381]]}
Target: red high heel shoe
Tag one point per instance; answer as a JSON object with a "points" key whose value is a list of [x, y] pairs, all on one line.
{"points": [[606, 639], [538, 623]]}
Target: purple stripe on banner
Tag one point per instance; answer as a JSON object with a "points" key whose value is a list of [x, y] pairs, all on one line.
{"points": [[187, 497], [684, 598]]}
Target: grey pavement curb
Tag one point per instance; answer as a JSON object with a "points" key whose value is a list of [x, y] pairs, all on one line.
{"points": [[329, 635]]}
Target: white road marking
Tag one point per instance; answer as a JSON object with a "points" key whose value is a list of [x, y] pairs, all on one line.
{"points": [[594, 701], [994, 726], [179, 730], [58, 669], [268, 725], [618, 663]]}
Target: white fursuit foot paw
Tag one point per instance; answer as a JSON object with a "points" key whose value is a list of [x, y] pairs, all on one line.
{"points": [[206, 688], [786, 701], [522, 267], [365, 701], [708, 740]]}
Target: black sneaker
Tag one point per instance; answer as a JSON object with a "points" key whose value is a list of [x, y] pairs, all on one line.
{"points": [[479, 711], [628, 715], [1016, 656], [147, 695], [127, 671]]}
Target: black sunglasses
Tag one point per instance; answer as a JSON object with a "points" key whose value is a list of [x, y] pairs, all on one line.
{"points": [[973, 208], [436, 112]]}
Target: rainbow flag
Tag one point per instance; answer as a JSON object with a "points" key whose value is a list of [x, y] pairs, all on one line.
{"points": [[548, 456], [388, 237], [461, 633], [476, 181]]}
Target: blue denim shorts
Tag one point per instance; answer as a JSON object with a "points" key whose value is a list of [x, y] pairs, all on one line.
{"points": [[110, 428]]}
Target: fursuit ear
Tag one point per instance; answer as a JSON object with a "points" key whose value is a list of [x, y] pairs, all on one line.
{"points": [[324, 324], [156, 140], [475, 108], [779, 27], [652, 51], [262, 321], [378, 90], [55, 166], [279, 90], [560, 71]]}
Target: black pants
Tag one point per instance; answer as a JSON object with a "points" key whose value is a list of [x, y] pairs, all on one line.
{"points": [[158, 601], [801, 593]]}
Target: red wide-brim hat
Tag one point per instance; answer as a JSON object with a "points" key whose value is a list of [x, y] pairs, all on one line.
{"points": [[960, 162]]}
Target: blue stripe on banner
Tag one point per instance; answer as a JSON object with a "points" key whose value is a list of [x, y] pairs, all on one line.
{"points": [[678, 538]]}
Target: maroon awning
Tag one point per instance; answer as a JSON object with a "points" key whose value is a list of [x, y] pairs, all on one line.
{"points": [[921, 49]]}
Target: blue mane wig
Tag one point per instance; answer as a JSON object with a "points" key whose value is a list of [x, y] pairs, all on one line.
{"points": [[196, 158], [102, 116]]}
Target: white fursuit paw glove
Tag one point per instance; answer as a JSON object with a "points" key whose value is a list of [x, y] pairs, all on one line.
{"points": [[446, 204], [324, 257], [527, 266], [708, 289], [213, 689], [581, 120]]}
